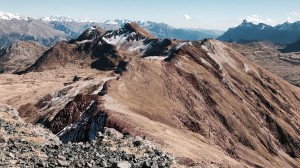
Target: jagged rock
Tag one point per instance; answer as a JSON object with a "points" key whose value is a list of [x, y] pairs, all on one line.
{"points": [[76, 78], [107, 150], [137, 143], [2, 139], [112, 133]]}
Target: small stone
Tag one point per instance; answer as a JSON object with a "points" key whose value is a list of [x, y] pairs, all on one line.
{"points": [[122, 164], [146, 164], [112, 160], [112, 133], [60, 157], [11, 155], [41, 163], [89, 164], [137, 143], [104, 163], [63, 163], [76, 78], [2, 139], [13, 162], [158, 152], [86, 146]]}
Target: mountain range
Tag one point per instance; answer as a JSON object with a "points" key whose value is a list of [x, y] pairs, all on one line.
{"points": [[49, 30], [247, 32]]}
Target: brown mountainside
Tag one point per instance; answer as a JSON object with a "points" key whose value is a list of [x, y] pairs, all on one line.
{"points": [[202, 101], [20, 56]]}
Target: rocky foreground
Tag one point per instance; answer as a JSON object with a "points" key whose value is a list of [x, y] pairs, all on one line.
{"points": [[25, 145]]}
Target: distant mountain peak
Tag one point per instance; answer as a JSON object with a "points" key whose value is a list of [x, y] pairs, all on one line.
{"points": [[90, 34], [251, 24], [10, 16], [61, 18], [119, 22], [134, 27], [247, 32], [244, 21]]}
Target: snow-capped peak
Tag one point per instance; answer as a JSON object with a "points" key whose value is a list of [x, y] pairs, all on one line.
{"points": [[10, 16], [61, 19], [119, 22]]}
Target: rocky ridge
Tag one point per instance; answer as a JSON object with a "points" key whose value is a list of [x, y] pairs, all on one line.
{"points": [[25, 145], [103, 50]]}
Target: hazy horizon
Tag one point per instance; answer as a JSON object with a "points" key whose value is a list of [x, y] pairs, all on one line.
{"points": [[216, 15]]}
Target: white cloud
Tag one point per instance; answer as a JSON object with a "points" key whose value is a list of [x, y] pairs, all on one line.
{"points": [[187, 17], [259, 19], [294, 13], [293, 16]]}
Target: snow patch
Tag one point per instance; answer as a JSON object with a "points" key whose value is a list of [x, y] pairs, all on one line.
{"points": [[121, 41], [178, 46], [84, 41], [156, 57], [216, 50], [247, 69]]}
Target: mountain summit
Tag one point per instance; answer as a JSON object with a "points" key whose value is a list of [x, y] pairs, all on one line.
{"points": [[134, 27], [98, 48]]}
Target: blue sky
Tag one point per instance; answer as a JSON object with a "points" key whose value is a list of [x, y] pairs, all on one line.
{"points": [[208, 14]]}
